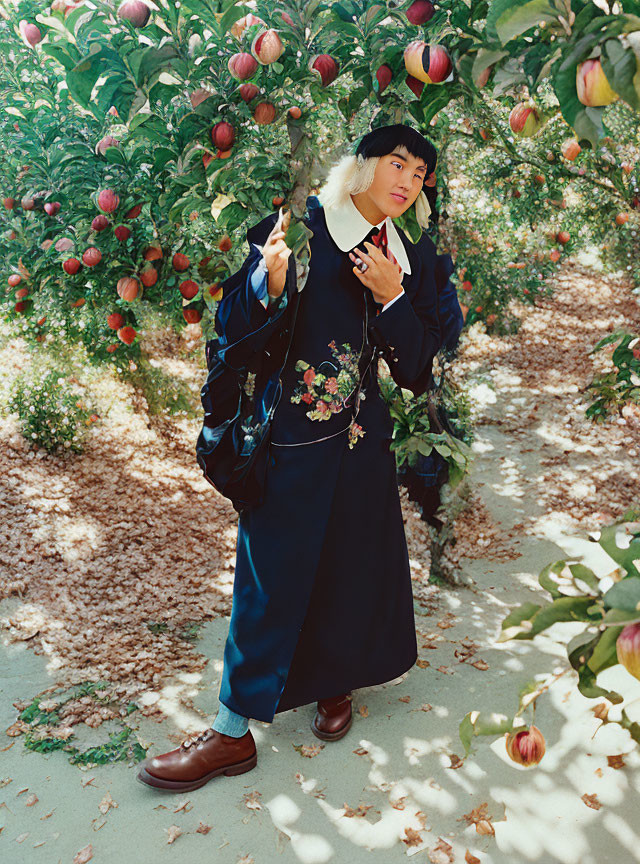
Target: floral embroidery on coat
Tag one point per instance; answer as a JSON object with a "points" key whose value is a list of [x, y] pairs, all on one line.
{"points": [[328, 392]]}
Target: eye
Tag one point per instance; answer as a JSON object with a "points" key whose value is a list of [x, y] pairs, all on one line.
{"points": [[400, 166]]}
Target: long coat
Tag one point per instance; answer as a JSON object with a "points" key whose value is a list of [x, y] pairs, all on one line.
{"points": [[322, 598]]}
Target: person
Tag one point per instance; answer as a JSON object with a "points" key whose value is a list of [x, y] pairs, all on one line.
{"points": [[322, 597]]}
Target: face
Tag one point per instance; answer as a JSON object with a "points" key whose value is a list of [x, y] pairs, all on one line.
{"points": [[396, 184]]}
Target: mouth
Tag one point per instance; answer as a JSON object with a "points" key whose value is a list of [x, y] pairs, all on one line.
{"points": [[398, 197]]}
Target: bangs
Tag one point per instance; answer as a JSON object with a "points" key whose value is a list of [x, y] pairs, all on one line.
{"points": [[385, 139]]}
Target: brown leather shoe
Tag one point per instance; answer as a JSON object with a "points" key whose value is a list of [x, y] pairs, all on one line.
{"points": [[198, 759], [333, 718]]}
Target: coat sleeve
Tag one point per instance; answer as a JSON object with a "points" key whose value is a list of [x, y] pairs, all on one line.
{"points": [[408, 332], [241, 319]]}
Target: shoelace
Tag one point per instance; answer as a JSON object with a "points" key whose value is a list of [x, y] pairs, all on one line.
{"points": [[197, 738]]}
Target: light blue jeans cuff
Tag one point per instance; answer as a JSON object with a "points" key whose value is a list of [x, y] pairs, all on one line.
{"points": [[230, 723]]}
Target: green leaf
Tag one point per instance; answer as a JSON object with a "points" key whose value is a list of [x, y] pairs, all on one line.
{"points": [[481, 723], [621, 70], [510, 18], [605, 654], [516, 620], [623, 557], [624, 595]]}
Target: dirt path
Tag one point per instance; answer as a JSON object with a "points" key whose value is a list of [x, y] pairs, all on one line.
{"points": [[109, 558]]}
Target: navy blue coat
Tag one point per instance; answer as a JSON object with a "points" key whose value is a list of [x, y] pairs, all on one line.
{"points": [[322, 598]]}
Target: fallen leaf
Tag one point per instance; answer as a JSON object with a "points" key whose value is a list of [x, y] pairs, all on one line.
{"points": [[203, 829], [308, 750], [412, 837], [252, 802], [363, 711], [470, 859], [361, 810], [441, 853], [106, 804], [83, 855], [422, 664], [481, 664], [31, 800], [404, 698], [616, 761], [591, 801], [173, 832], [185, 806]]}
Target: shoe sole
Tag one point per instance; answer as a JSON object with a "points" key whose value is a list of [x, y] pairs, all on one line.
{"points": [[187, 785], [331, 736]]}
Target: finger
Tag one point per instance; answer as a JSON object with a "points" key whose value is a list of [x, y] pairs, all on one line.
{"points": [[359, 252], [372, 248]]}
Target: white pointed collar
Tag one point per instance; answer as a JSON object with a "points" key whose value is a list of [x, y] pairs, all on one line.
{"points": [[348, 227]]}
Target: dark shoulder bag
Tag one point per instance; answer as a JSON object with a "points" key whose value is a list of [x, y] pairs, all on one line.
{"points": [[232, 447]]}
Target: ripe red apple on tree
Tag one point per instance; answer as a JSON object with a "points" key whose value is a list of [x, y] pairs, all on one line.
{"points": [[420, 12], [91, 256], [384, 76], [52, 207], [242, 65], [264, 113], [108, 200], [570, 149], [136, 210], [325, 67], [100, 222], [524, 119], [103, 143], [128, 288], [149, 276], [115, 320], [224, 244], [248, 91], [127, 334], [9, 203], [189, 289], [135, 12], [238, 27], [592, 86], [295, 112], [152, 253], [191, 314], [563, 237], [71, 266], [180, 262], [430, 64], [30, 33], [223, 135], [266, 46]]}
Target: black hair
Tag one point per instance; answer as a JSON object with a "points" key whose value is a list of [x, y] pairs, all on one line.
{"points": [[384, 139]]}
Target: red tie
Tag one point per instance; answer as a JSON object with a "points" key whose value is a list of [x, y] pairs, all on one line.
{"points": [[379, 239]]}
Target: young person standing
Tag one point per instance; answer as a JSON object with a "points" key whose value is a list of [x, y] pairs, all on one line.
{"points": [[322, 598]]}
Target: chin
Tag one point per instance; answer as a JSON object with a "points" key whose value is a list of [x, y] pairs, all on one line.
{"points": [[397, 206]]}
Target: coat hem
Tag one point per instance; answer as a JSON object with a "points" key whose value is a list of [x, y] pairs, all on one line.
{"points": [[367, 683]]}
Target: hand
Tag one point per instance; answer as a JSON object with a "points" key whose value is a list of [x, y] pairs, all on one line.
{"points": [[276, 254], [382, 277]]}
